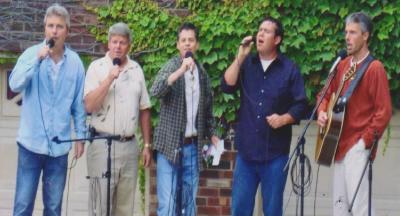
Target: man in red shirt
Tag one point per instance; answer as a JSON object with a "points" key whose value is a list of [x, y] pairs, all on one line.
{"points": [[367, 111]]}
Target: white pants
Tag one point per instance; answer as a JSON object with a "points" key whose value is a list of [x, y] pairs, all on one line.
{"points": [[346, 177]]}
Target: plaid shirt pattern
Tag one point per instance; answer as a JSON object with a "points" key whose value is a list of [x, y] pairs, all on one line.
{"points": [[170, 130]]}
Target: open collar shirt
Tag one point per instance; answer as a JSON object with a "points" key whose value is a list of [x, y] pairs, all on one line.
{"points": [[128, 94], [280, 90]]}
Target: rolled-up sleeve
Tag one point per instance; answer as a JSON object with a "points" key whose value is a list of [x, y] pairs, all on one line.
{"points": [[228, 89]]}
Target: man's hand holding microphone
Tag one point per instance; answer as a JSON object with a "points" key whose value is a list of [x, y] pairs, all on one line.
{"points": [[46, 50], [245, 48], [188, 64]]}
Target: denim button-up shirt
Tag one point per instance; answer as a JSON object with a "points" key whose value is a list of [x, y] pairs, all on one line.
{"points": [[280, 90], [46, 109]]}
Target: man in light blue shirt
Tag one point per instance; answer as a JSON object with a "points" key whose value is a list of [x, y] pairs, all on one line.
{"points": [[50, 77]]}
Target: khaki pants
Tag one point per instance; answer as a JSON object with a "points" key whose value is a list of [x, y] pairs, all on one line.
{"points": [[346, 177], [124, 166]]}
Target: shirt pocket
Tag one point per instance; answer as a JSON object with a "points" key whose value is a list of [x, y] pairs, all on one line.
{"points": [[280, 99]]}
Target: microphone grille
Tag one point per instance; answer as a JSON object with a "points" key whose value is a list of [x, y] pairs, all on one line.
{"points": [[117, 61], [254, 39], [188, 54], [50, 43], [342, 54]]}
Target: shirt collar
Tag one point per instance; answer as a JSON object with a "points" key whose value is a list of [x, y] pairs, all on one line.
{"points": [[359, 61], [278, 59]]}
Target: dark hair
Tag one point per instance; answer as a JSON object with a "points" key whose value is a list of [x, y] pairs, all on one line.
{"points": [[188, 26], [278, 29], [363, 19]]}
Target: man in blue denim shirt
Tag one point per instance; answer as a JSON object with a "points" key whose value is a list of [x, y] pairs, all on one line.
{"points": [[50, 78], [272, 99]]}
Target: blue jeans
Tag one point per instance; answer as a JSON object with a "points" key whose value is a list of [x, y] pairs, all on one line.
{"points": [[30, 165], [167, 179], [247, 175]]}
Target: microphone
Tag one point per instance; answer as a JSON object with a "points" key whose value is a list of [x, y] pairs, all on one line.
{"points": [[253, 39], [50, 43], [189, 54], [117, 61], [341, 55]]}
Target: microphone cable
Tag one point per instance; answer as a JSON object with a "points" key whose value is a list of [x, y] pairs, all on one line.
{"points": [[116, 61], [113, 146], [245, 93], [189, 191], [295, 176], [72, 165], [190, 198], [41, 112], [173, 193], [96, 185], [50, 44]]}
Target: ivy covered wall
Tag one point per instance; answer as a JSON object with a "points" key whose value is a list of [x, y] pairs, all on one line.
{"points": [[314, 33]]}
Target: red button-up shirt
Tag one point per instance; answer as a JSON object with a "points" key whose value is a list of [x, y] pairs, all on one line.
{"points": [[369, 108]]}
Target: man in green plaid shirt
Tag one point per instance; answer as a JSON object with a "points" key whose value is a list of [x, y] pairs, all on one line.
{"points": [[186, 123]]}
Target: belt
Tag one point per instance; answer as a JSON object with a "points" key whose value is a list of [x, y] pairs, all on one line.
{"points": [[190, 140], [125, 138], [94, 133]]}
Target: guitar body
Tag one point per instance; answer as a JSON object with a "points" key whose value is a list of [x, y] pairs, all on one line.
{"points": [[328, 136]]}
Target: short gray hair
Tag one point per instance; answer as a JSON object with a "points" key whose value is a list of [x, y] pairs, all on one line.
{"points": [[361, 18], [58, 10], [121, 29]]}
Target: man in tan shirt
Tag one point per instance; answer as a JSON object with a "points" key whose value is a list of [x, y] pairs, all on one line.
{"points": [[116, 96]]}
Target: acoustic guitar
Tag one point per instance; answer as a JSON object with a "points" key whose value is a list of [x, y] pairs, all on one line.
{"points": [[328, 136]]}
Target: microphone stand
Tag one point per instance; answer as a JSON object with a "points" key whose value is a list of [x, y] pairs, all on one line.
{"points": [[179, 208], [368, 162], [299, 149], [108, 172]]}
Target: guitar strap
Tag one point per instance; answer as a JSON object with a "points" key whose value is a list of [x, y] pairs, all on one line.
{"points": [[342, 101]]}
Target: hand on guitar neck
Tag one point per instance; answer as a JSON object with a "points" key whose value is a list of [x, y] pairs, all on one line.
{"points": [[322, 118]]}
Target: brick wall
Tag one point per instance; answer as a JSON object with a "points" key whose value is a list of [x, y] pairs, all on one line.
{"points": [[21, 25], [214, 195]]}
